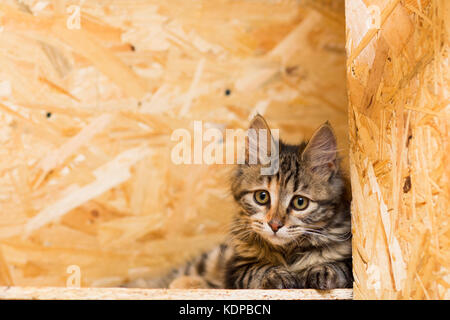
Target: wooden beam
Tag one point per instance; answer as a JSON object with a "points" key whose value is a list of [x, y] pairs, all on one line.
{"points": [[52, 293]]}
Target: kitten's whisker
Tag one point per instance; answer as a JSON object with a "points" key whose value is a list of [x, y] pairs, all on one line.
{"points": [[331, 237], [344, 237]]}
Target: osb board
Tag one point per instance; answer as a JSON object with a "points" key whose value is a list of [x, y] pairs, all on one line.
{"points": [[398, 80], [27, 293], [86, 116]]}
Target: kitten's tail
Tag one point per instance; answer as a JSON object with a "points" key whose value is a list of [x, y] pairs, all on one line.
{"points": [[151, 283]]}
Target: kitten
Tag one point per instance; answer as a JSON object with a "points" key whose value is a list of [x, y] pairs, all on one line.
{"points": [[292, 229]]}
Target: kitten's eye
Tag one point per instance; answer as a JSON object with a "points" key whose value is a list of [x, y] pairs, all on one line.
{"points": [[262, 197], [300, 203]]}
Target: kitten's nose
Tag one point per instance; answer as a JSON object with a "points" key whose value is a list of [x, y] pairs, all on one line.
{"points": [[275, 225]]}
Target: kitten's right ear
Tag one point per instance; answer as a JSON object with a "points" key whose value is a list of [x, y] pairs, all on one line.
{"points": [[321, 151]]}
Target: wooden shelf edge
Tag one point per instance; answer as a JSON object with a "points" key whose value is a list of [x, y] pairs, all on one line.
{"points": [[55, 293]]}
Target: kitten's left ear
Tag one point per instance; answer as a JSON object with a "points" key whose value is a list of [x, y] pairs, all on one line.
{"points": [[321, 151]]}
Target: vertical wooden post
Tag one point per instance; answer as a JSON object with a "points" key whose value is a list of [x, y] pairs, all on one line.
{"points": [[398, 86]]}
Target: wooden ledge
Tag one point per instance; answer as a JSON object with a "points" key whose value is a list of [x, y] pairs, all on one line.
{"points": [[53, 293]]}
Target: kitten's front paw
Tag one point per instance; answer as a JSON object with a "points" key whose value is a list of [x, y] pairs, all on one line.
{"points": [[278, 278], [323, 277]]}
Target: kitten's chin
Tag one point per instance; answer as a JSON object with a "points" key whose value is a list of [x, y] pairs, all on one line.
{"points": [[276, 239]]}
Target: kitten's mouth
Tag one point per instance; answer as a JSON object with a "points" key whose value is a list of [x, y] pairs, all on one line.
{"points": [[277, 239]]}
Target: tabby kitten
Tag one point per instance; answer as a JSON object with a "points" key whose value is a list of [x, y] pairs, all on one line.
{"points": [[292, 229]]}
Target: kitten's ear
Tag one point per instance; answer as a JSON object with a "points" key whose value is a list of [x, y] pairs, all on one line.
{"points": [[258, 122], [258, 126], [321, 151]]}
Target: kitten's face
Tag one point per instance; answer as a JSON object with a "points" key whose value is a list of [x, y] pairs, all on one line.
{"points": [[299, 200]]}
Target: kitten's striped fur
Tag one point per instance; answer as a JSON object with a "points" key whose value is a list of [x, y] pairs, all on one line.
{"points": [[311, 249]]}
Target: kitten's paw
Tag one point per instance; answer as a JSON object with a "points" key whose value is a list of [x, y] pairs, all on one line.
{"points": [[278, 278], [188, 282], [323, 277]]}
